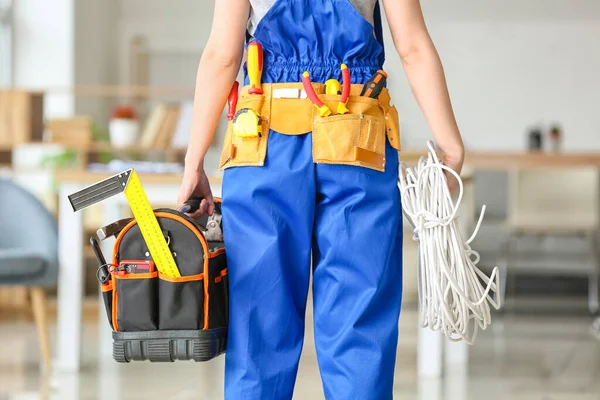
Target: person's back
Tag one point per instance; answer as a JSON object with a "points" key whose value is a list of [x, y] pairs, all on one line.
{"points": [[259, 8], [322, 34], [313, 181]]}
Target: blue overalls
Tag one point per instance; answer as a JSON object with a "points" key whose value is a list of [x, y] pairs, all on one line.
{"points": [[345, 219]]}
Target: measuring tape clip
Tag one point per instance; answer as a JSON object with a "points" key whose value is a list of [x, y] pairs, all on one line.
{"points": [[129, 183]]}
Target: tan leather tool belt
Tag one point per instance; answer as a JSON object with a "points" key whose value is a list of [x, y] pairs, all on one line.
{"points": [[356, 138]]}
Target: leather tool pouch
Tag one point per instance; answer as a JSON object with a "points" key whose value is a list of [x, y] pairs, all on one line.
{"points": [[247, 151], [161, 318], [357, 138]]}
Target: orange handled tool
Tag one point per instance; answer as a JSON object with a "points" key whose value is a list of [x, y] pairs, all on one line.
{"points": [[255, 67], [232, 100], [375, 85], [324, 111]]}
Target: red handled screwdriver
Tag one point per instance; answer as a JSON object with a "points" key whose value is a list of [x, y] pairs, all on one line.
{"points": [[232, 100]]}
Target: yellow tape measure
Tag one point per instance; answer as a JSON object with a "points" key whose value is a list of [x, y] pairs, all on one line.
{"points": [[151, 231], [129, 183]]}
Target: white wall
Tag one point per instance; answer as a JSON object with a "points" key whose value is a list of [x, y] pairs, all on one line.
{"points": [[510, 65], [96, 49], [5, 43], [62, 43], [44, 52], [176, 33], [175, 28]]}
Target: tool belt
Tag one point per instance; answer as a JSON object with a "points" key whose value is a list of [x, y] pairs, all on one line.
{"points": [[156, 317], [355, 138]]}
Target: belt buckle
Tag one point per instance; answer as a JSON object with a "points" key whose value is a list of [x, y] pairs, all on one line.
{"points": [[289, 93]]}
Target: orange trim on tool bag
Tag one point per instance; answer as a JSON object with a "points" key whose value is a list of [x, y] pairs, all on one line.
{"points": [[200, 237], [137, 276], [217, 253], [107, 287], [114, 311], [219, 278], [177, 279], [119, 238], [114, 262], [116, 298]]}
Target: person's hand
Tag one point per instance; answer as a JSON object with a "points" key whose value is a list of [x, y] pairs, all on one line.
{"points": [[195, 184], [454, 159]]}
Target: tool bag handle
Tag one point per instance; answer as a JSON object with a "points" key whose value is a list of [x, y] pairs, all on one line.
{"points": [[191, 205]]}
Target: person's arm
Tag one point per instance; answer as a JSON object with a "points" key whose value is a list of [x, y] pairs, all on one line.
{"points": [[218, 69], [219, 66], [426, 77]]}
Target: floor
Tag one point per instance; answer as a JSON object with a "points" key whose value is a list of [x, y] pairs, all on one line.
{"points": [[521, 357]]}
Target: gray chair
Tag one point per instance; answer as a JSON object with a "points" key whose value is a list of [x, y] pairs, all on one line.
{"points": [[28, 252]]}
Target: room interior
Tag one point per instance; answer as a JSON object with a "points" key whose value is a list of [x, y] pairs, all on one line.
{"points": [[88, 89]]}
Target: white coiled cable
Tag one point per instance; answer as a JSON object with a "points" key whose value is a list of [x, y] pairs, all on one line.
{"points": [[454, 294]]}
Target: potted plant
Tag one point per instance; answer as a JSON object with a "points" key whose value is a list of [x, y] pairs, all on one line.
{"points": [[124, 127]]}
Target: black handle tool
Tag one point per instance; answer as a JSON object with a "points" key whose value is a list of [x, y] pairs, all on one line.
{"points": [[103, 274], [375, 85]]}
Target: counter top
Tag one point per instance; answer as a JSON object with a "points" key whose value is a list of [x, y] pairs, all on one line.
{"points": [[76, 175], [473, 161], [508, 160]]}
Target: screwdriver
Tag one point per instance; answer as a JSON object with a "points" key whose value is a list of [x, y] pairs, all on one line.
{"points": [[103, 274], [232, 100], [375, 85], [255, 67]]}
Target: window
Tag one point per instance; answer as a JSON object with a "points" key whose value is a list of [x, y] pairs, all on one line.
{"points": [[6, 51]]}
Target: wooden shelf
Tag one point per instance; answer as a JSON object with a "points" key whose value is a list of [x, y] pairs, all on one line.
{"points": [[509, 160], [78, 175], [105, 147], [124, 91], [98, 147]]}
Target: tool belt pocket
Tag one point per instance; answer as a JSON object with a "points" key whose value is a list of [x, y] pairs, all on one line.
{"points": [[181, 302], [245, 142], [159, 317], [392, 125], [356, 138], [135, 302], [218, 287], [107, 290]]}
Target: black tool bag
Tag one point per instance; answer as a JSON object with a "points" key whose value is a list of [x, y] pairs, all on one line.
{"points": [[155, 317]]}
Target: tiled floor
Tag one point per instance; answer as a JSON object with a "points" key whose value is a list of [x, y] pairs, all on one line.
{"points": [[519, 358]]}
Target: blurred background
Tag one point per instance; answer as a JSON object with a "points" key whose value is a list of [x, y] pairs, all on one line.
{"points": [[89, 88]]}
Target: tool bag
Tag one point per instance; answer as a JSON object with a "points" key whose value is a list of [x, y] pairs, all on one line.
{"points": [[160, 318]]}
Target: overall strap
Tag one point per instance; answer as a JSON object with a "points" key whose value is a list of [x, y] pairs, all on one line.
{"points": [[379, 29]]}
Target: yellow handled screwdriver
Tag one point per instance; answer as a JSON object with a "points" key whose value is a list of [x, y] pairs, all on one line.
{"points": [[255, 67]]}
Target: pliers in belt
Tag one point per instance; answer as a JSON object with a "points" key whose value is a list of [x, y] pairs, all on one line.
{"points": [[325, 111]]}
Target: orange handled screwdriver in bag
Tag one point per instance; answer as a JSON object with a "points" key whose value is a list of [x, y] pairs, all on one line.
{"points": [[375, 85]]}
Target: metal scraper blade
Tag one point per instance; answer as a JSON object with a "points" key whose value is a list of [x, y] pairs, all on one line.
{"points": [[100, 191]]}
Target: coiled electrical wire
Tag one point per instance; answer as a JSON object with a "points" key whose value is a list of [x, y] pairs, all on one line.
{"points": [[454, 294]]}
